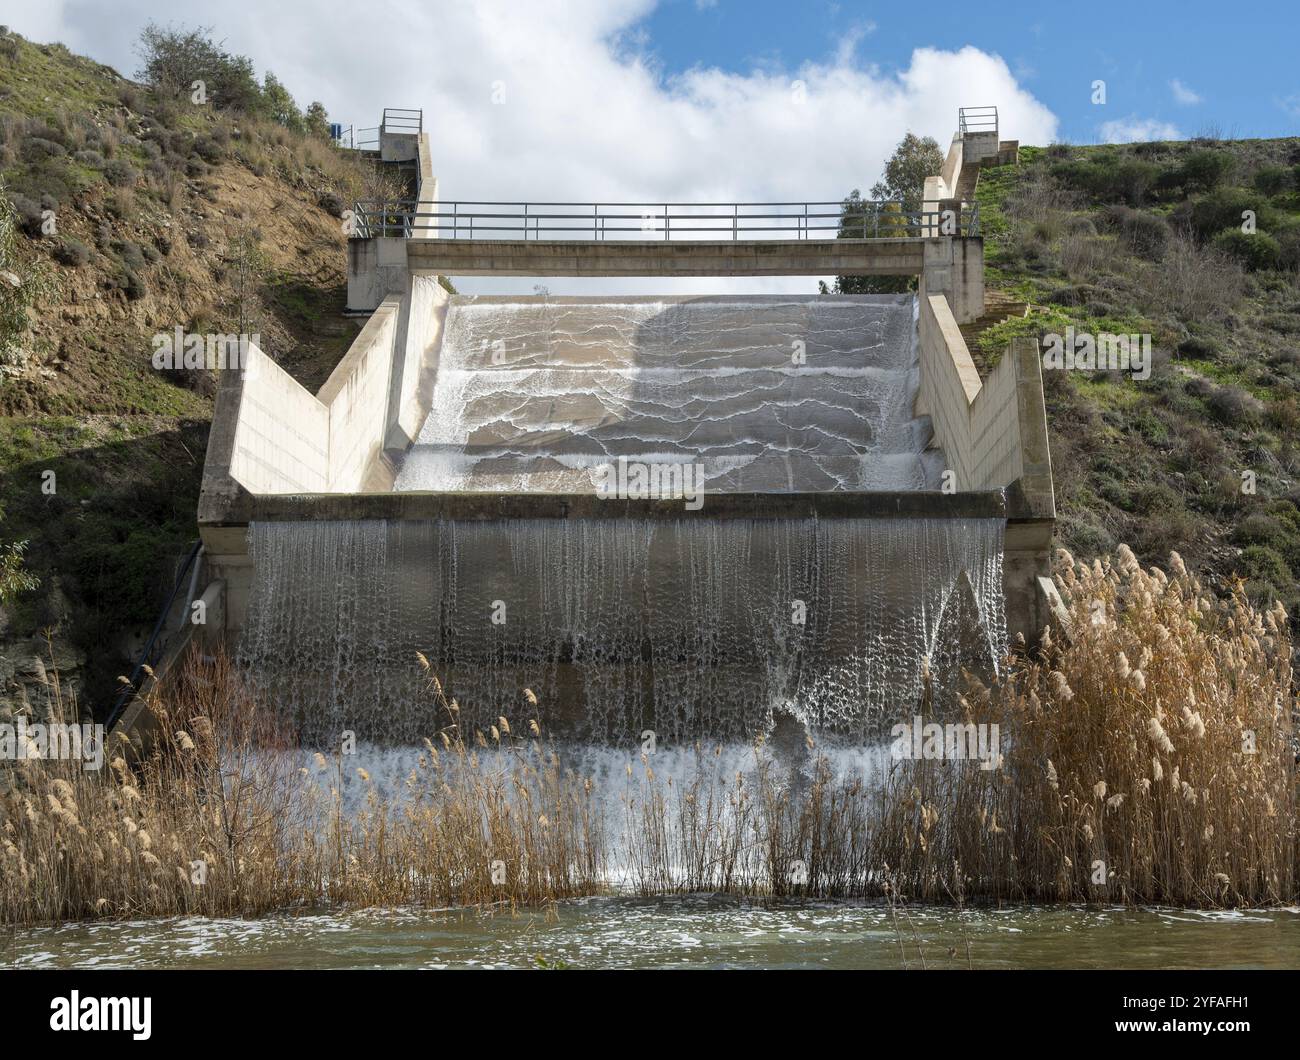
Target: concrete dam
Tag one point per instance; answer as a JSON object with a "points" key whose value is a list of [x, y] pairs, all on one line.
{"points": [[685, 515]]}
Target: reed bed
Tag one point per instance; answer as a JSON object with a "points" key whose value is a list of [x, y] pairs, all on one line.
{"points": [[1148, 756]]}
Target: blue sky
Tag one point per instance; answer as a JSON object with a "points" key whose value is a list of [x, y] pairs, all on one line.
{"points": [[1240, 59]]}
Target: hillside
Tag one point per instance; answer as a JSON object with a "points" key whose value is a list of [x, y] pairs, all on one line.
{"points": [[165, 214], [1147, 239]]}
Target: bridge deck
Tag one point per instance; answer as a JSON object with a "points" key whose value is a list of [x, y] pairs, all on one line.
{"points": [[756, 257]]}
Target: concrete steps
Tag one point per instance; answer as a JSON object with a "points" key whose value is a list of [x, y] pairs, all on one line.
{"points": [[970, 175], [998, 307], [799, 394]]}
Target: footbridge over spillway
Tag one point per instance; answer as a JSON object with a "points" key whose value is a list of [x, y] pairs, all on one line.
{"points": [[669, 511]]}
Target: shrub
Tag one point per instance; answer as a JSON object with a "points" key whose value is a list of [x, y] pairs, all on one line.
{"points": [[134, 286], [1260, 563], [129, 254], [209, 150], [1081, 255], [27, 214], [72, 252], [1253, 250], [174, 58], [36, 149], [1272, 180], [1288, 244], [332, 203], [120, 173], [1225, 209], [1106, 180], [1258, 529], [1143, 233], [1233, 406], [1198, 349], [93, 159], [1205, 170], [1195, 283]]}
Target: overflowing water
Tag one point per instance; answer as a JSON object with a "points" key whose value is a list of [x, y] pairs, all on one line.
{"points": [[690, 628], [767, 394], [687, 627]]}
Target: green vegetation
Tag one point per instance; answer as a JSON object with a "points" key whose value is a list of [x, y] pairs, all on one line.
{"points": [[902, 188], [188, 62], [126, 210], [1196, 244]]}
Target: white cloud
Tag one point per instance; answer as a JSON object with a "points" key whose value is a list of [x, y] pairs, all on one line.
{"points": [[1183, 94], [587, 116], [1137, 130]]}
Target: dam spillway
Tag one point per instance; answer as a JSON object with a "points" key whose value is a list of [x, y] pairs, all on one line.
{"points": [[765, 394], [872, 510], [692, 629], [687, 627]]}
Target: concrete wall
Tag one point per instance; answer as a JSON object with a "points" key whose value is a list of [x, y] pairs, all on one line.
{"points": [[994, 435], [955, 268], [943, 185], [376, 269], [419, 339], [627, 257], [280, 443], [356, 396], [270, 436]]}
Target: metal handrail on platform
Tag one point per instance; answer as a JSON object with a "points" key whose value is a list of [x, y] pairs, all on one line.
{"points": [[669, 221], [977, 119]]}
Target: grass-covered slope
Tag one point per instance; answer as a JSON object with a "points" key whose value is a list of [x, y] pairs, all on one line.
{"points": [[1149, 239], [165, 214]]}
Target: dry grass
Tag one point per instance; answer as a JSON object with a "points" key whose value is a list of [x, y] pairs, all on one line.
{"points": [[1147, 758], [486, 820]]}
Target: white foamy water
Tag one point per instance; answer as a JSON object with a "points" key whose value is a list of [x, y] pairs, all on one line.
{"points": [[632, 792], [767, 394], [691, 628]]}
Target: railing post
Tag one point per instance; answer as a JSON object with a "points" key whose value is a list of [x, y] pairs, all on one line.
{"points": [[735, 221], [525, 222], [668, 224], [595, 208]]}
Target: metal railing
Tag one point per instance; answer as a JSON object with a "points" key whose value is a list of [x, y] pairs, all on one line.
{"points": [[668, 221], [153, 648], [395, 120], [977, 119], [402, 120], [359, 139]]}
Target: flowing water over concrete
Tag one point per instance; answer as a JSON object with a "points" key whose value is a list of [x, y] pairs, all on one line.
{"points": [[691, 628], [685, 932], [768, 394]]}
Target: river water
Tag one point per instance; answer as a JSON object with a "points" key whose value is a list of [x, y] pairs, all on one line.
{"points": [[695, 931]]}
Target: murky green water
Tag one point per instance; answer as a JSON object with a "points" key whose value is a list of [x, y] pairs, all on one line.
{"points": [[698, 931]]}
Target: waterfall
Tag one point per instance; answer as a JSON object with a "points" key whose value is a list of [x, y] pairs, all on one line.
{"points": [[690, 628]]}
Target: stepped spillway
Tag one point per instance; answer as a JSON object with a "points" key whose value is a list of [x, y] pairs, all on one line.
{"points": [[765, 394]]}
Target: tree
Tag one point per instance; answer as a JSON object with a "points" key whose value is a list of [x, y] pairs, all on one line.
{"points": [[173, 59], [278, 104], [902, 183], [316, 121], [913, 160]]}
